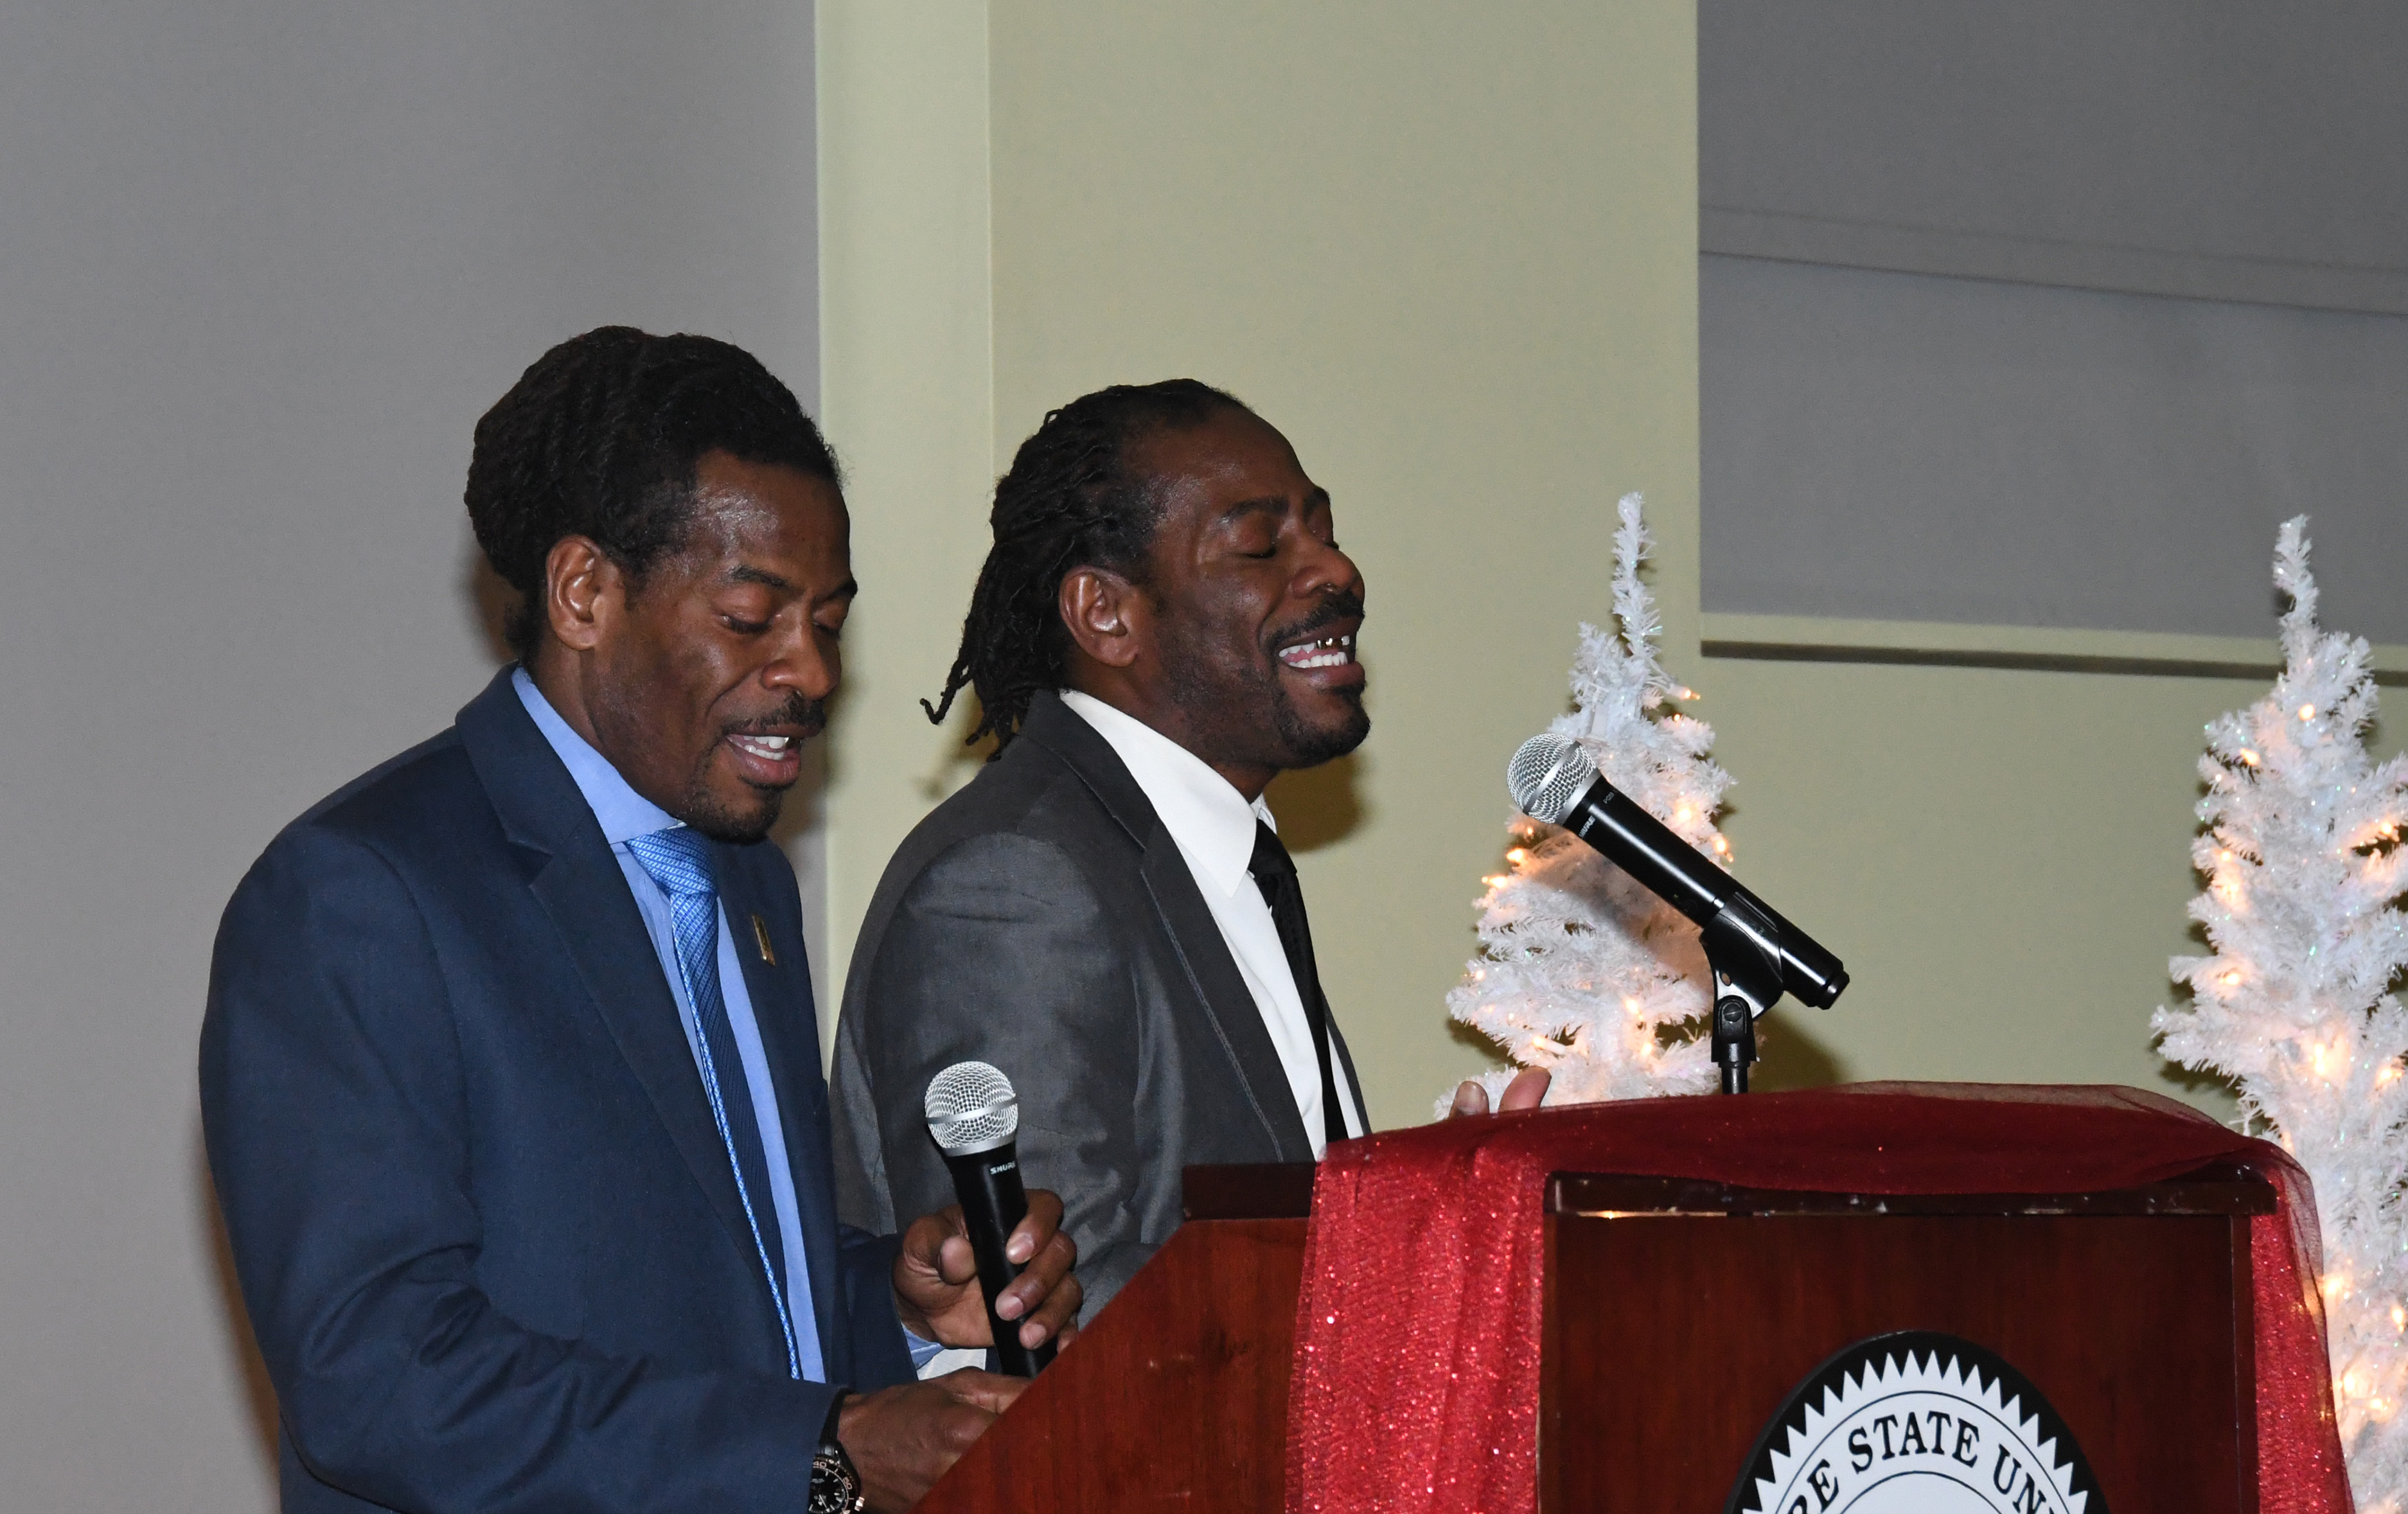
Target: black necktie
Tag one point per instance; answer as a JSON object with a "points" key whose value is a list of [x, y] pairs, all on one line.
{"points": [[1275, 874]]}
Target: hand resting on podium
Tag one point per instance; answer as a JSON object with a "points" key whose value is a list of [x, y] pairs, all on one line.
{"points": [[1527, 1089]]}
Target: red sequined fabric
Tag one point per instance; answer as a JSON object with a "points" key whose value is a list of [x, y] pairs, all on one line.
{"points": [[1416, 1384]]}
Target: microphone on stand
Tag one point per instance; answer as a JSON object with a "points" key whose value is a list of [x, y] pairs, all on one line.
{"points": [[1754, 954], [973, 1114]]}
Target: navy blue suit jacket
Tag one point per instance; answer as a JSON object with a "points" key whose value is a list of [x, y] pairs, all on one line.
{"points": [[483, 1220]]}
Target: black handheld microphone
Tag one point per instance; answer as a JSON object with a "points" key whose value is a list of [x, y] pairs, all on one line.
{"points": [[973, 1114], [1754, 953]]}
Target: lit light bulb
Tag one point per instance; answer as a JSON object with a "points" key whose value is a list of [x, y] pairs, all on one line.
{"points": [[1682, 814], [2230, 978], [2248, 758], [2398, 1318], [1518, 855], [2307, 712]]}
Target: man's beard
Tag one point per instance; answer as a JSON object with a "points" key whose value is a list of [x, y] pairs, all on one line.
{"points": [[1198, 687], [1309, 746], [702, 809]]}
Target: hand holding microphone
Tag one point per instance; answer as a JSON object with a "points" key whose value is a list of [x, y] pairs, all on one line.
{"points": [[996, 1268], [902, 1439]]}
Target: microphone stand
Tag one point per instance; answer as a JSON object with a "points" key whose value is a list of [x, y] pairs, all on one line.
{"points": [[1742, 953]]}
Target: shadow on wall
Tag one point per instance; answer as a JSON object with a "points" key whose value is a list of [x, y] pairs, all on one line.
{"points": [[956, 759], [1793, 1057], [1318, 806], [258, 1393]]}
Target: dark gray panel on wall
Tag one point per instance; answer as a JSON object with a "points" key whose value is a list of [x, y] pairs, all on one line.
{"points": [[2215, 148], [1887, 446]]}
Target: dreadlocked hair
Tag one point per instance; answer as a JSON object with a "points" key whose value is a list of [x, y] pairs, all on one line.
{"points": [[1071, 500], [600, 438]]}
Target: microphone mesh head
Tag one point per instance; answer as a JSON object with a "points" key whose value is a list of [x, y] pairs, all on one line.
{"points": [[971, 1107], [1548, 776]]}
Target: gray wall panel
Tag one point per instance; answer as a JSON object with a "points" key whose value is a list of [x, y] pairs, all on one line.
{"points": [[262, 263], [1886, 446], [2215, 148]]}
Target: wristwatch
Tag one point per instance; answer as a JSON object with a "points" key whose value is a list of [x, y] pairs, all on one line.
{"points": [[836, 1483]]}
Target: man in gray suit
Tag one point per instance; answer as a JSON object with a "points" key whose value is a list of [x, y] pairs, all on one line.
{"points": [[1166, 623]]}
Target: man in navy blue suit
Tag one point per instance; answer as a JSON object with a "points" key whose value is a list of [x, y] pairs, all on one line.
{"points": [[510, 1077]]}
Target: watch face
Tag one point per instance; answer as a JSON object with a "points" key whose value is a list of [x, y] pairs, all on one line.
{"points": [[1916, 1422], [836, 1486]]}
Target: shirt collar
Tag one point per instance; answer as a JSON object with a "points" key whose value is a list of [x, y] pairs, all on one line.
{"points": [[624, 813], [1212, 823]]}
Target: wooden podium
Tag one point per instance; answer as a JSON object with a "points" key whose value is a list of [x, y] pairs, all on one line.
{"points": [[1679, 1316]]}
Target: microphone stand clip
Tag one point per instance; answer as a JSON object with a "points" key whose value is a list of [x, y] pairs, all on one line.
{"points": [[1743, 953]]}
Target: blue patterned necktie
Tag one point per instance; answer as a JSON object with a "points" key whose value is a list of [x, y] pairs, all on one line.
{"points": [[678, 860]]}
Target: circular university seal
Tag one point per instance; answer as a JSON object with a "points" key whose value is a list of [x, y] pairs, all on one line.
{"points": [[1916, 1422]]}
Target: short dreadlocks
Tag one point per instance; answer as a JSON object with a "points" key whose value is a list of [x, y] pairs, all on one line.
{"points": [[600, 437], [1071, 500]]}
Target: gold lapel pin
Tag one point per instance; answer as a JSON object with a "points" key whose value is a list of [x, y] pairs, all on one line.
{"points": [[760, 938]]}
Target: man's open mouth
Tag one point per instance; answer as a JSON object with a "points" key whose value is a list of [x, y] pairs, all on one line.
{"points": [[766, 760], [1335, 650], [767, 748]]}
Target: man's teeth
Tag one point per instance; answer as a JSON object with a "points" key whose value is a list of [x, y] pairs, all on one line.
{"points": [[1329, 651], [764, 746]]}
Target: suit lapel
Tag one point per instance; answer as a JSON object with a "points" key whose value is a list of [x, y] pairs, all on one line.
{"points": [[1195, 936], [1221, 989], [784, 1011], [584, 892], [1346, 1065]]}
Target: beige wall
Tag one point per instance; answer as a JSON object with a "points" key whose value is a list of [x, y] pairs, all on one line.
{"points": [[907, 322], [1448, 249], [2002, 857]]}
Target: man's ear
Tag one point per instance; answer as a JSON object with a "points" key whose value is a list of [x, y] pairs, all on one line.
{"points": [[1105, 613], [584, 591]]}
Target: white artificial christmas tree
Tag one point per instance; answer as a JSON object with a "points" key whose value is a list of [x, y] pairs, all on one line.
{"points": [[1581, 971], [2304, 864]]}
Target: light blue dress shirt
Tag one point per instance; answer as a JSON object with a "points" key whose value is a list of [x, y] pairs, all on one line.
{"points": [[624, 814]]}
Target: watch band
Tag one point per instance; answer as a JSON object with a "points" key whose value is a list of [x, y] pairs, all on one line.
{"points": [[835, 1483]]}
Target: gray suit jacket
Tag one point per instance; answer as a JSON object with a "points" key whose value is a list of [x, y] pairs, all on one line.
{"points": [[1043, 920]]}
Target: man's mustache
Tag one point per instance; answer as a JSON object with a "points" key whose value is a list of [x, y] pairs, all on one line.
{"points": [[1340, 606], [800, 711]]}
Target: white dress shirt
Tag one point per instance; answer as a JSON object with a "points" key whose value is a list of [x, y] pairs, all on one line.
{"points": [[1214, 827]]}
